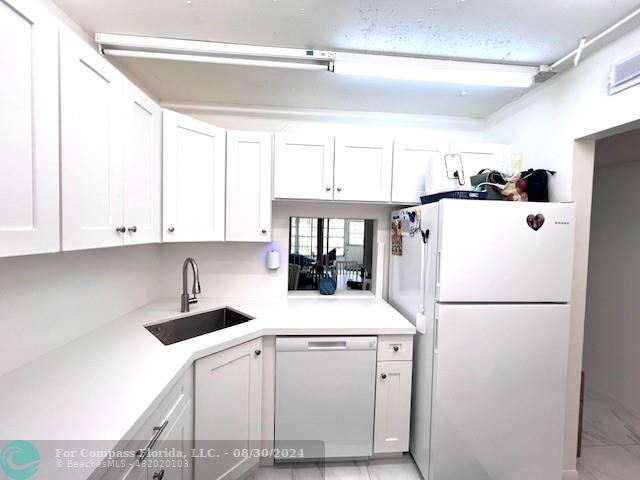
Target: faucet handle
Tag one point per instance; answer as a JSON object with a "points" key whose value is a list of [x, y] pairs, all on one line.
{"points": [[193, 300]]}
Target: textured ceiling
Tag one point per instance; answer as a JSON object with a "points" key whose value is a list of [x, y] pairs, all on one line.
{"points": [[520, 31], [197, 82]]}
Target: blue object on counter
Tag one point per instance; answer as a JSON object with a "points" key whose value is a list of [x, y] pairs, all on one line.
{"points": [[458, 194], [327, 285]]}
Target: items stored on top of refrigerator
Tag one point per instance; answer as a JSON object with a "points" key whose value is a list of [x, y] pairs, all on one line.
{"points": [[488, 169], [487, 285], [453, 171]]}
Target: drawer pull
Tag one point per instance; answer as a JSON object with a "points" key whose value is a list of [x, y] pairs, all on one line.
{"points": [[383, 376], [396, 348], [158, 431]]}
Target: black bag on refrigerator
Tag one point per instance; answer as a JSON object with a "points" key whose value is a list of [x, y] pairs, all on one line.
{"points": [[537, 184]]}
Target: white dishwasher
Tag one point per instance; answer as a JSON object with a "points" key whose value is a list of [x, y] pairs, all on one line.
{"points": [[325, 392]]}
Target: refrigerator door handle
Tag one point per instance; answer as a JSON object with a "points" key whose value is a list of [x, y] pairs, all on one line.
{"points": [[422, 275]]}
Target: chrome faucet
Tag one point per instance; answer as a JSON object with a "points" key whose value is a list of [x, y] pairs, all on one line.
{"points": [[186, 298]]}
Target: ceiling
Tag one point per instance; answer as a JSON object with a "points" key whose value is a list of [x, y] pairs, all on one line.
{"points": [[519, 31]]}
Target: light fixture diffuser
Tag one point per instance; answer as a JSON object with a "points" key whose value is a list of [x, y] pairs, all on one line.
{"points": [[435, 71]]}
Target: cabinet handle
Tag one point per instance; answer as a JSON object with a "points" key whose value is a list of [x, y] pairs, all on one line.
{"points": [[171, 229], [158, 429], [264, 231], [383, 376], [158, 475], [258, 352], [339, 189], [121, 229], [133, 229], [396, 348], [327, 189]]}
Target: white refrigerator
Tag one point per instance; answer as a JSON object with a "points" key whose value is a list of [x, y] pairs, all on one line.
{"points": [[487, 284]]}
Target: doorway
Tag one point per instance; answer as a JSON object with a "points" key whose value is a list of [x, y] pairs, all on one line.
{"points": [[611, 353]]}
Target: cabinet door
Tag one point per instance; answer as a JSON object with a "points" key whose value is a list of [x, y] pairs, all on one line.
{"points": [[228, 410], [393, 407], [91, 147], [363, 169], [477, 156], [303, 167], [178, 439], [142, 167], [411, 159], [248, 187], [193, 180], [29, 217]]}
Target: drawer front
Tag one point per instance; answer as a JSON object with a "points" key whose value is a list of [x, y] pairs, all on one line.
{"points": [[395, 347], [157, 424], [172, 402]]}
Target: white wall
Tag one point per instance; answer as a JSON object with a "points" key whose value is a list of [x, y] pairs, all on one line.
{"points": [[612, 324], [48, 300], [238, 270], [543, 125]]}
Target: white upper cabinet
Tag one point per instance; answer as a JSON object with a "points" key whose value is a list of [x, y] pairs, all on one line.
{"points": [[91, 146], [193, 180], [363, 168], [29, 211], [477, 156], [142, 120], [303, 167], [248, 187], [412, 158]]}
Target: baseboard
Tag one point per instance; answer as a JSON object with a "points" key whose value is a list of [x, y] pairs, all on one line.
{"points": [[570, 475]]}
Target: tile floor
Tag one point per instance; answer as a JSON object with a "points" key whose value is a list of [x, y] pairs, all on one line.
{"points": [[610, 442], [610, 451], [382, 469]]}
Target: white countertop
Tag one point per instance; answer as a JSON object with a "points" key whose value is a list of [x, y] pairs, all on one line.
{"points": [[99, 386]]}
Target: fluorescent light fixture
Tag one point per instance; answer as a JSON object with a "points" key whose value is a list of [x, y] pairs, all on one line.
{"points": [[213, 52], [249, 62], [362, 64], [436, 71]]}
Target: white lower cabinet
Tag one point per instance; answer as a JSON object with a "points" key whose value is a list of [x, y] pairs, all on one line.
{"points": [[166, 428], [178, 439], [393, 407], [228, 405], [393, 394]]}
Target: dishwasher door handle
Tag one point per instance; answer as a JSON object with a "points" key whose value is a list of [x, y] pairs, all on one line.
{"points": [[327, 345]]}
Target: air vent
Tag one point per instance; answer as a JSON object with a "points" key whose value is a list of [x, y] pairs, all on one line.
{"points": [[624, 75]]}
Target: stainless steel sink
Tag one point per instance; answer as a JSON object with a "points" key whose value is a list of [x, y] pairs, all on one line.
{"points": [[192, 326]]}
